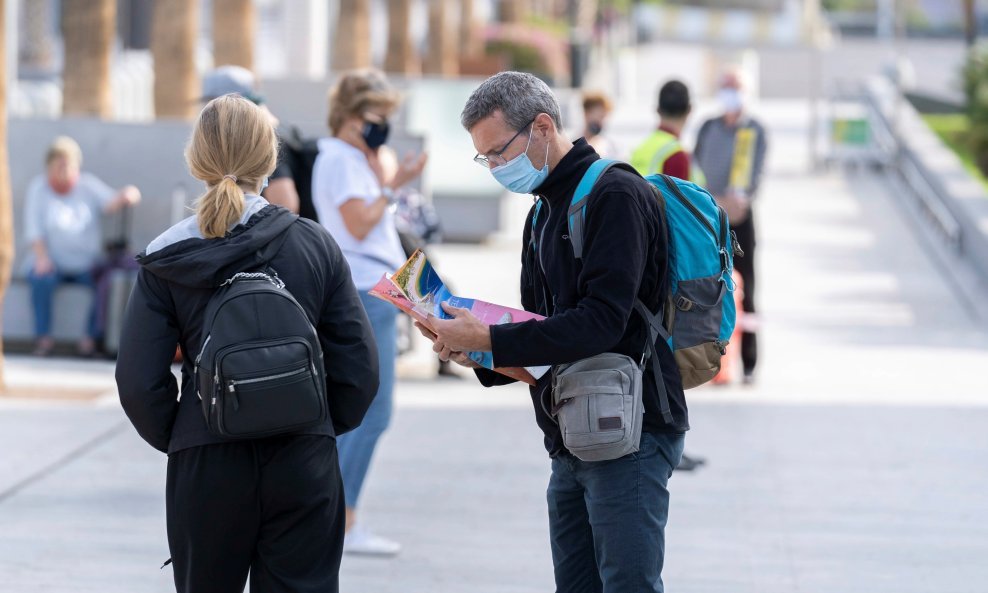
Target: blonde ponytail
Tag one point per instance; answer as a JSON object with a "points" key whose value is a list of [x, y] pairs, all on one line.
{"points": [[220, 207], [233, 147]]}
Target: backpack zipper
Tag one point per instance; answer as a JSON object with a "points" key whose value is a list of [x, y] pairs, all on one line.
{"points": [[692, 208], [195, 369], [232, 383]]}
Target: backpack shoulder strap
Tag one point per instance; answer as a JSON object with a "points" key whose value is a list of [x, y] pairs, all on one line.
{"points": [[575, 221], [578, 205], [655, 331]]}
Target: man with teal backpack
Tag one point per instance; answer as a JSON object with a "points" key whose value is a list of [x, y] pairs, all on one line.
{"points": [[601, 263]]}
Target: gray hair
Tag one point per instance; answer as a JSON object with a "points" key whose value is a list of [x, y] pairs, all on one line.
{"points": [[519, 96]]}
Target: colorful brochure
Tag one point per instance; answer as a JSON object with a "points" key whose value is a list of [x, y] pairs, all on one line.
{"points": [[417, 289]]}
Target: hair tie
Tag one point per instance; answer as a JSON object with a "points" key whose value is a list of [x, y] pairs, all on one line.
{"points": [[233, 177]]}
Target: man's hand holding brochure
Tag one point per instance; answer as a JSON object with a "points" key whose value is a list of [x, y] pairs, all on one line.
{"points": [[417, 289]]}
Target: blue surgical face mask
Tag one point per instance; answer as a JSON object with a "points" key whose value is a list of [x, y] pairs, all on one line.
{"points": [[264, 185], [519, 174], [730, 100]]}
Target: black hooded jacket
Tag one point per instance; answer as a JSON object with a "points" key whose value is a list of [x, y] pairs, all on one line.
{"points": [[589, 302], [168, 302]]}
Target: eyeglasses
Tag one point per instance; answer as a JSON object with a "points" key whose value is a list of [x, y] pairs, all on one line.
{"points": [[497, 158]]}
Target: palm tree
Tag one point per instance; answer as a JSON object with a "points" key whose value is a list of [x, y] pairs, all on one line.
{"points": [[6, 210], [234, 28], [88, 28], [442, 56], [401, 57], [970, 23], [471, 42], [352, 48], [513, 11], [174, 33]]}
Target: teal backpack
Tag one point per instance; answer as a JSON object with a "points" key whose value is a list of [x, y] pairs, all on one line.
{"points": [[698, 320]]}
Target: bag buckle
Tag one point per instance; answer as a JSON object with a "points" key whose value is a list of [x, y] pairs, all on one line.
{"points": [[738, 252], [683, 303], [554, 411]]}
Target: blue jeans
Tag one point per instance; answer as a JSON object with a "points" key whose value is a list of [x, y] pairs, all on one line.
{"points": [[43, 294], [607, 518], [356, 448]]}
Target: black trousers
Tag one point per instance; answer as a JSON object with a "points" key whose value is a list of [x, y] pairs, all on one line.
{"points": [[745, 266], [271, 507]]}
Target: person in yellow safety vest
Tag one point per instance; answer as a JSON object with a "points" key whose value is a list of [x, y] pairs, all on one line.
{"points": [[662, 152]]}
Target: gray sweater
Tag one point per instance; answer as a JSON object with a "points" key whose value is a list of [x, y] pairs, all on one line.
{"points": [[714, 153]]}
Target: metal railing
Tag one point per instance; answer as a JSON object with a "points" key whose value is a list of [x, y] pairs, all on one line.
{"points": [[914, 179]]}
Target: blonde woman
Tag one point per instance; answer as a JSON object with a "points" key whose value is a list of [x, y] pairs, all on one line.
{"points": [[270, 507], [353, 184]]}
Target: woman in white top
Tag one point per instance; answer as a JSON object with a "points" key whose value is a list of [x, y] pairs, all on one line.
{"points": [[353, 184]]}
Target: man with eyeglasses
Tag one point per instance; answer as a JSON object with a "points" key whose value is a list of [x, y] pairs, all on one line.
{"points": [[606, 518]]}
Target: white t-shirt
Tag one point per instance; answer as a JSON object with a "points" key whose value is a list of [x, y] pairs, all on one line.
{"points": [[341, 173], [68, 224]]}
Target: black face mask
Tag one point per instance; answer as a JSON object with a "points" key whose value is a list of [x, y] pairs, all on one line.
{"points": [[594, 128], [375, 134]]}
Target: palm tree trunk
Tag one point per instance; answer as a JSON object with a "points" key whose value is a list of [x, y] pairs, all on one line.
{"points": [[970, 23], [401, 57], [174, 33], [6, 210], [88, 28], [513, 11], [471, 42], [442, 58], [234, 30], [352, 48]]}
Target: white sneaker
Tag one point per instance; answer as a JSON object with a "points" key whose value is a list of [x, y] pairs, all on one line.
{"points": [[361, 541]]}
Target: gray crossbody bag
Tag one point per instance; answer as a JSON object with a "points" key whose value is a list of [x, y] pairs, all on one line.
{"points": [[597, 401]]}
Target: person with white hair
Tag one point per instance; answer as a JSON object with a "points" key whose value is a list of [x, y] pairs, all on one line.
{"points": [[731, 150]]}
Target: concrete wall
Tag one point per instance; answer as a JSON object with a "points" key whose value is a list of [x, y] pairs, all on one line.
{"points": [[149, 156]]}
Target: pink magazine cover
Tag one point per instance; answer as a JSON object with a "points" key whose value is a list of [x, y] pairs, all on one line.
{"points": [[417, 289]]}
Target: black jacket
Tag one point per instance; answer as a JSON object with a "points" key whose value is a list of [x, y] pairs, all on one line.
{"points": [[167, 305], [589, 303]]}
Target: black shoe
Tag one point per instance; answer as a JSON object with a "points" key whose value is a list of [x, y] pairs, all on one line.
{"points": [[688, 464]]}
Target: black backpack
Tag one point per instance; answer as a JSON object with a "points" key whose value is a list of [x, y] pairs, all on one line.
{"points": [[260, 370]]}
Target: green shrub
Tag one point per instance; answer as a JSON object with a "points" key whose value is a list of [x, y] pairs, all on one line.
{"points": [[976, 93]]}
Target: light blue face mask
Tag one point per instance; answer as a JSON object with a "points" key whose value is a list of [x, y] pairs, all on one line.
{"points": [[519, 174], [264, 185]]}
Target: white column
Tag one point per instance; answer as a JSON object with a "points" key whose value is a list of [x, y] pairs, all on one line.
{"points": [[306, 28]]}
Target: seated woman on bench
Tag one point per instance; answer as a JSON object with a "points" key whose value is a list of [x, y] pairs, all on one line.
{"points": [[63, 213]]}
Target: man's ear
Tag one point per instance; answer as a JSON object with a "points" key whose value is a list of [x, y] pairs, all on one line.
{"points": [[544, 125]]}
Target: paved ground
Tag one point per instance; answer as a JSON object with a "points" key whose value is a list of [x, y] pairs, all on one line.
{"points": [[858, 462]]}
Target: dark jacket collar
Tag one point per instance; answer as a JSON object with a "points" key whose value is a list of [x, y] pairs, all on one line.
{"points": [[562, 181], [206, 263]]}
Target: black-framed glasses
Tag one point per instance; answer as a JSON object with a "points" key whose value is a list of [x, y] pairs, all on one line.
{"points": [[497, 157]]}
